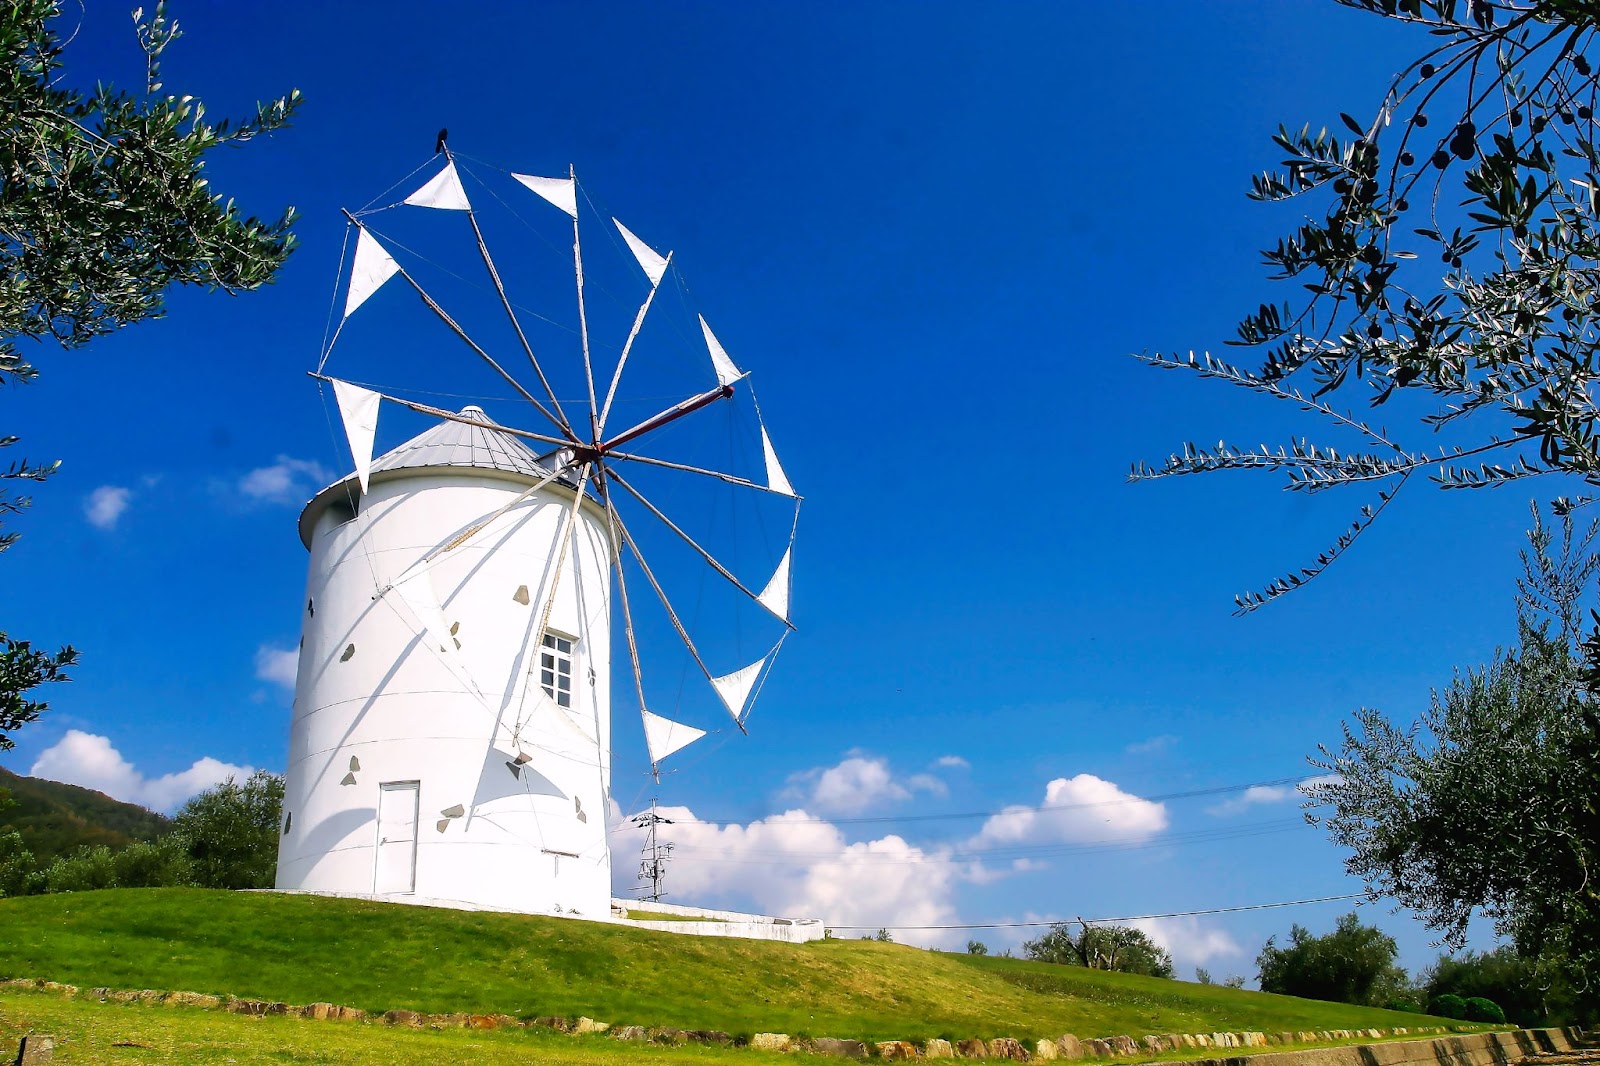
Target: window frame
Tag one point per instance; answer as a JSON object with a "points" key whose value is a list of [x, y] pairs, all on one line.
{"points": [[549, 648]]}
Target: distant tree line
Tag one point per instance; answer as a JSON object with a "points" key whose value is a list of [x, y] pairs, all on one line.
{"points": [[225, 837], [1354, 963]]}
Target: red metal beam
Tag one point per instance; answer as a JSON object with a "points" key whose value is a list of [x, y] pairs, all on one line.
{"points": [[671, 414]]}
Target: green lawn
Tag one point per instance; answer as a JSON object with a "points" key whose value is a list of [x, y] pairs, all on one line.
{"points": [[304, 949]]}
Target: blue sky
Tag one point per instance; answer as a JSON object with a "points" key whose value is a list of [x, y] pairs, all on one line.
{"points": [[934, 232]]}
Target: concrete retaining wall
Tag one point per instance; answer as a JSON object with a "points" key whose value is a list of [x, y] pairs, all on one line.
{"points": [[1472, 1049]]}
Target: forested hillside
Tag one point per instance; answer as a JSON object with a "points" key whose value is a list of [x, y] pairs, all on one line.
{"points": [[54, 818]]}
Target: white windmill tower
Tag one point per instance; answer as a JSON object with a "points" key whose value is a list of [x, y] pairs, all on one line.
{"points": [[451, 735]]}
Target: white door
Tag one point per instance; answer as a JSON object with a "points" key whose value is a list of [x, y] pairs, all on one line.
{"points": [[397, 838]]}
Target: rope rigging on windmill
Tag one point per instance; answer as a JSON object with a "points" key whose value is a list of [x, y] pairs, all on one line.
{"points": [[451, 735]]}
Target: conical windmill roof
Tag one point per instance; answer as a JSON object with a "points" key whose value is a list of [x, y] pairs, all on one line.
{"points": [[482, 445]]}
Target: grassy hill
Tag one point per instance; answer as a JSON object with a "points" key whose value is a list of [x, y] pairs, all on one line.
{"points": [[302, 949], [55, 818]]}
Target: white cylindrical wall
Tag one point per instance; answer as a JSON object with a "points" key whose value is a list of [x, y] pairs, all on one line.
{"points": [[401, 702]]}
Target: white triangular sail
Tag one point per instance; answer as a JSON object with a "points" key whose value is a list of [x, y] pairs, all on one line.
{"points": [[358, 408], [735, 688], [663, 736], [654, 266], [777, 480], [563, 192], [444, 192], [415, 587], [373, 266], [727, 373], [775, 597]]}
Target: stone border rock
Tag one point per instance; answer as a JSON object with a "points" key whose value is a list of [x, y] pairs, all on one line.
{"points": [[1066, 1046]]}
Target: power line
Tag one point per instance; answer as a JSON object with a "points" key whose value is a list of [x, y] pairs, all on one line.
{"points": [[1104, 921], [1018, 809]]}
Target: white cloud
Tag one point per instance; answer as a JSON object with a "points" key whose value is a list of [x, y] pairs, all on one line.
{"points": [[857, 783], [288, 480], [80, 758], [951, 762], [1190, 941], [927, 783], [1254, 796], [105, 505], [1152, 746], [1076, 810], [1265, 795], [794, 865], [278, 665]]}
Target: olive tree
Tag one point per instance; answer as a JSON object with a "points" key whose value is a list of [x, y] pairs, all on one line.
{"points": [[1352, 964], [1451, 255], [104, 205], [1490, 801], [230, 832], [1101, 947]]}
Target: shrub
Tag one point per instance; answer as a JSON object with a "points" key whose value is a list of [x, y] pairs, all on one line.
{"points": [[152, 864], [88, 868], [142, 864], [1448, 1006], [1529, 993], [1483, 1010], [17, 865]]}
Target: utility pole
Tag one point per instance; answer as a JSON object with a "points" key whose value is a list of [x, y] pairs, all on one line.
{"points": [[653, 863]]}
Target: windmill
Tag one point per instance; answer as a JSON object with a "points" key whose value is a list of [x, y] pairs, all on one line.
{"points": [[451, 735]]}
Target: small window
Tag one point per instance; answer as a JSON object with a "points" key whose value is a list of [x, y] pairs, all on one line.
{"points": [[555, 668]]}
